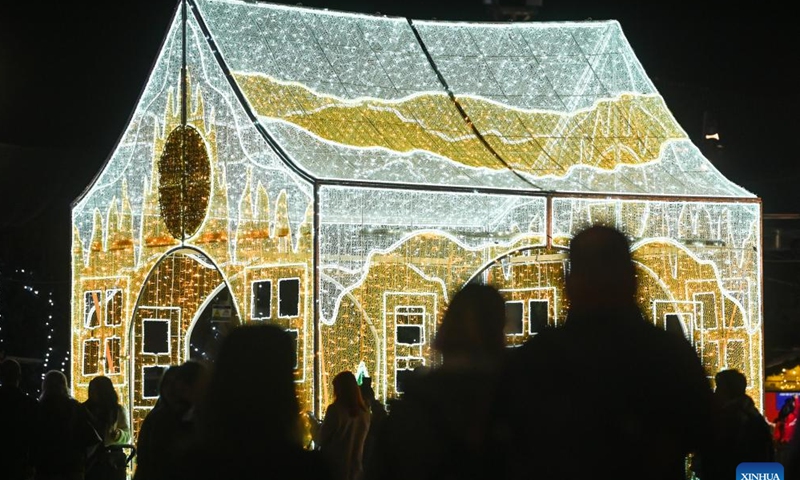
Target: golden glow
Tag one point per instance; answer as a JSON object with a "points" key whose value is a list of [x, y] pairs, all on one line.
{"points": [[629, 130], [787, 380], [184, 181]]}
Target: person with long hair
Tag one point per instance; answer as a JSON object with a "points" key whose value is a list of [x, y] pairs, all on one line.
{"points": [[110, 421], [344, 429], [248, 420], [439, 427], [63, 435]]}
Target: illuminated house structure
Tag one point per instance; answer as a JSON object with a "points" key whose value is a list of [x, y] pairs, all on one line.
{"points": [[342, 175]]}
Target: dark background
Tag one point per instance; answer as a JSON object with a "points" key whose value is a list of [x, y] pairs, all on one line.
{"points": [[71, 74]]}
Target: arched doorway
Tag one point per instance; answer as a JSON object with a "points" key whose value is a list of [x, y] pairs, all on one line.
{"points": [[531, 279], [183, 310]]}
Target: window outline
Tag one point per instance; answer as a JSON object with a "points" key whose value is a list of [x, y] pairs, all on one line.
{"points": [[253, 300], [421, 335], [280, 281], [107, 310], [421, 312], [521, 332], [119, 359], [297, 348], [164, 369], [83, 368], [406, 359], [87, 324], [169, 335], [546, 301]]}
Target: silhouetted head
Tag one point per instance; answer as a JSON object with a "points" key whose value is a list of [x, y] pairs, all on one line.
{"points": [[166, 387], [250, 400], [54, 385], [189, 384], [347, 393], [10, 373], [730, 384], [102, 392], [601, 276], [473, 324]]}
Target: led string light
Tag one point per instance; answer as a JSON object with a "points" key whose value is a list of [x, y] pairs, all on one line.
{"points": [[389, 259]]}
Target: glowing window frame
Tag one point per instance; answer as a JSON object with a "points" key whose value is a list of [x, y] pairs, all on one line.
{"points": [[86, 323], [169, 336], [253, 300], [165, 367], [421, 360], [119, 358], [299, 297], [297, 348], [522, 331], [546, 301], [422, 314], [107, 309], [83, 368]]}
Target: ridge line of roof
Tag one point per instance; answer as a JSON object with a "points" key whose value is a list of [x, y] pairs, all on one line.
{"points": [[240, 97], [463, 113]]}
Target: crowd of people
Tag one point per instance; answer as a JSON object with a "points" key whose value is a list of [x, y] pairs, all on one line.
{"points": [[56, 437], [605, 394]]}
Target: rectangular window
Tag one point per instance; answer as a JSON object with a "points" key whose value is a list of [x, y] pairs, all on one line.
{"points": [[151, 380], [409, 334], [114, 307], [514, 312], [155, 336], [113, 356], [401, 378], [262, 300], [294, 334], [91, 356], [289, 297], [91, 308], [539, 311]]}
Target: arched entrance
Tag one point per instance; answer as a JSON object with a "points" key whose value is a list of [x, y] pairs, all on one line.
{"points": [[531, 279], [183, 309]]}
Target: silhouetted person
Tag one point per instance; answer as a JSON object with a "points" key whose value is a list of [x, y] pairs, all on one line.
{"points": [[166, 387], [377, 413], [171, 426], [785, 425], [607, 394], [743, 435], [63, 435], [344, 429], [249, 420], [110, 421], [439, 427], [17, 419]]}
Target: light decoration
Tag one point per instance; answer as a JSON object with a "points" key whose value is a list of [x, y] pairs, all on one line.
{"points": [[349, 173]]}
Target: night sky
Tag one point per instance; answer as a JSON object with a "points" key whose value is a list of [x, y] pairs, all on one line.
{"points": [[71, 74]]}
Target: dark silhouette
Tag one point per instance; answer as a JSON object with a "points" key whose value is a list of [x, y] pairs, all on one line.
{"points": [[249, 420], [743, 435], [439, 427], [110, 421], [171, 426], [166, 390], [608, 393], [344, 429], [17, 416], [63, 437], [377, 413]]}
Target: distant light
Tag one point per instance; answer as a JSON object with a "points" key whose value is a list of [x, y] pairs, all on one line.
{"points": [[714, 136]]}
